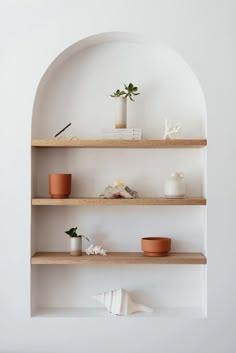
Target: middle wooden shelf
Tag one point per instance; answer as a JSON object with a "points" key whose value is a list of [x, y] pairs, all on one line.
{"points": [[63, 258], [86, 201]]}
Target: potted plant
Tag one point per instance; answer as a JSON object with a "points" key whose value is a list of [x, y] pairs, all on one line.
{"points": [[75, 241], [121, 104]]}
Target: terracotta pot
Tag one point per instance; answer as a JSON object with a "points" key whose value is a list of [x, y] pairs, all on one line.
{"points": [[60, 185], [156, 246]]}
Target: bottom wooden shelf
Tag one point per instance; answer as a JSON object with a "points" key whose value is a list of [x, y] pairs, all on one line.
{"points": [[63, 258], [97, 312]]}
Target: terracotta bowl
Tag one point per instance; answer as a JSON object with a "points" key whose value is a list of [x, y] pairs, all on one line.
{"points": [[59, 185], [156, 246]]}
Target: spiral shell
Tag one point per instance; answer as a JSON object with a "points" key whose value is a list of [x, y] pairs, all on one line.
{"points": [[118, 302]]}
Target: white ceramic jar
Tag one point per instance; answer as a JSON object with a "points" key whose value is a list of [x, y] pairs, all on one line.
{"points": [[175, 186], [76, 246], [120, 112]]}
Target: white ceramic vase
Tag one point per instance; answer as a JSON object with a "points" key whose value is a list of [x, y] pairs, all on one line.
{"points": [[76, 246], [175, 186], [120, 112]]}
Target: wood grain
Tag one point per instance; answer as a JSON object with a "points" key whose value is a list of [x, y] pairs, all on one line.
{"points": [[191, 201], [63, 258], [183, 143]]}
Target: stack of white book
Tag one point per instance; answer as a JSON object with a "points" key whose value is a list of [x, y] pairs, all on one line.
{"points": [[122, 134]]}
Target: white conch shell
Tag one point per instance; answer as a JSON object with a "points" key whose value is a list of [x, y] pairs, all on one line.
{"points": [[118, 302]]}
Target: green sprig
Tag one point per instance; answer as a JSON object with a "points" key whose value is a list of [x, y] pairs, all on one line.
{"points": [[73, 234], [129, 91]]}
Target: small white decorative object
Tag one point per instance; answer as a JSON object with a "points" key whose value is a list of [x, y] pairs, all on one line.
{"points": [[118, 302], [175, 186], [171, 130], [120, 112], [95, 250]]}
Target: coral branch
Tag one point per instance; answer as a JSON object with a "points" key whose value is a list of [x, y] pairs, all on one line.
{"points": [[171, 131], [95, 250]]}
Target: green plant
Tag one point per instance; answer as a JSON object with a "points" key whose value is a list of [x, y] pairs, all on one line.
{"points": [[117, 93], [73, 234], [129, 91]]}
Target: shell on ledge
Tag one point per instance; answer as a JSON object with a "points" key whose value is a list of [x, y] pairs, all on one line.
{"points": [[118, 302]]}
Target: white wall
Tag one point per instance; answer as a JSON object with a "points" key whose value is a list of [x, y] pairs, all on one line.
{"points": [[33, 34]]}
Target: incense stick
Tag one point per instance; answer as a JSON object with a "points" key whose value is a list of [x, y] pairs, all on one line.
{"points": [[62, 130]]}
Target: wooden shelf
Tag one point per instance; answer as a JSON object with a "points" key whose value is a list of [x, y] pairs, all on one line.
{"points": [[191, 201], [63, 258], [183, 143], [97, 312]]}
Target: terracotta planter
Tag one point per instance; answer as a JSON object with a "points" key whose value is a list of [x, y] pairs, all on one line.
{"points": [[156, 246], [60, 185]]}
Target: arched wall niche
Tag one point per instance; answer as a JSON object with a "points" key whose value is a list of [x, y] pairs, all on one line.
{"points": [[76, 88]]}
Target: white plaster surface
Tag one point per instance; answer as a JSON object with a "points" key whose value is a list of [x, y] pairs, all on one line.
{"points": [[32, 35]]}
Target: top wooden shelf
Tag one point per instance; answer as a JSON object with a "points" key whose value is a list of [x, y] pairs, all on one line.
{"points": [[183, 143]]}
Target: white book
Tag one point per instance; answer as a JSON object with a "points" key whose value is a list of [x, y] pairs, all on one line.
{"points": [[110, 134], [121, 136], [123, 131], [133, 137]]}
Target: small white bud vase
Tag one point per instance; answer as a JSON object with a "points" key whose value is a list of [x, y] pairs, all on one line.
{"points": [[76, 246], [120, 112], [175, 186]]}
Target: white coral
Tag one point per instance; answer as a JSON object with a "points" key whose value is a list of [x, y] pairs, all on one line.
{"points": [[95, 250], [171, 130]]}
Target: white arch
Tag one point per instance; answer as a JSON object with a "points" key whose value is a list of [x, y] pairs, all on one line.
{"points": [[51, 90]]}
